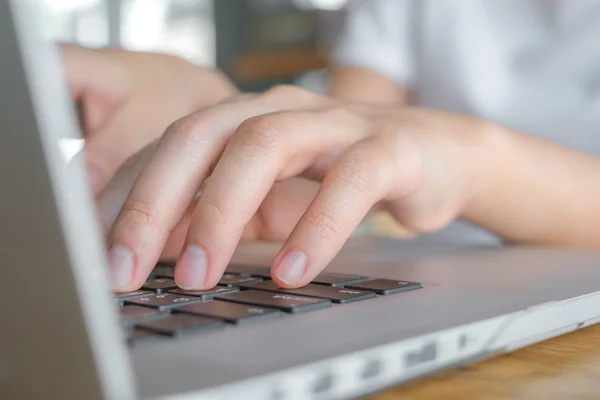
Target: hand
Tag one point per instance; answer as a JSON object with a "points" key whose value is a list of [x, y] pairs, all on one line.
{"points": [[420, 165], [127, 99]]}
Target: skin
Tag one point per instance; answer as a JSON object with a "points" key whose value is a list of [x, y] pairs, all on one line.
{"points": [[425, 167], [294, 166], [359, 84], [127, 99]]}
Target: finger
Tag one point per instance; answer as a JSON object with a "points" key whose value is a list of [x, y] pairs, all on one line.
{"points": [[112, 197], [126, 131], [362, 176], [264, 149], [168, 184]]}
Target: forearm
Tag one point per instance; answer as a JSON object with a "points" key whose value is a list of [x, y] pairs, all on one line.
{"points": [[530, 191], [359, 84]]}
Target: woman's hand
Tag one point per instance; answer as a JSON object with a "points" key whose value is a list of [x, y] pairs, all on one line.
{"points": [[127, 99], [214, 177]]}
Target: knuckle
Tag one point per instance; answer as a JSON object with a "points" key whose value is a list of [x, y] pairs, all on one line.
{"points": [[324, 225], [212, 211], [263, 132], [388, 129], [185, 131], [139, 213], [358, 174], [342, 113], [279, 91]]}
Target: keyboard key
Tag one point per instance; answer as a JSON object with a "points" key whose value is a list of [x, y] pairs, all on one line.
{"points": [[386, 286], [337, 280], [159, 285], [179, 324], [135, 336], [244, 270], [131, 314], [163, 272], [264, 272], [230, 312], [282, 301], [131, 295], [163, 301], [205, 294], [232, 280], [337, 295]]}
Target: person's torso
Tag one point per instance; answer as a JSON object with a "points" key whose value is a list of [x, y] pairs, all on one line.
{"points": [[530, 65]]}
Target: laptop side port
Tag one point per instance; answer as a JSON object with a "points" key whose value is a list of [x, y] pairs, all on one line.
{"points": [[425, 354], [323, 384], [371, 369]]}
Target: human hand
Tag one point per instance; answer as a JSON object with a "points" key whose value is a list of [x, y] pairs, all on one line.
{"points": [[422, 166], [127, 99]]}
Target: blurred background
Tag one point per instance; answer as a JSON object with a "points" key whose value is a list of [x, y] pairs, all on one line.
{"points": [[258, 43]]}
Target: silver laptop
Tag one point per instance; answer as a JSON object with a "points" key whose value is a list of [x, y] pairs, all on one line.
{"points": [[384, 311]]}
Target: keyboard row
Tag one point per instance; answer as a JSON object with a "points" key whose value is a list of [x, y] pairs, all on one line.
{"points": [[243, 295]]}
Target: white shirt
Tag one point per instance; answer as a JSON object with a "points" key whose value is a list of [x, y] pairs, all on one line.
{"points": [[529, 65]]}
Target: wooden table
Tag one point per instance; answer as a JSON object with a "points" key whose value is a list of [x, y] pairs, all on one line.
{"points": [[566, 367]]}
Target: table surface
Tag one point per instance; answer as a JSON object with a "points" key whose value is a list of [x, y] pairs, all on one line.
{"points": [[566, 367]]}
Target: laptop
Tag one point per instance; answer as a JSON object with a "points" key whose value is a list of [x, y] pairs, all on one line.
{"points": [[384, 311]]}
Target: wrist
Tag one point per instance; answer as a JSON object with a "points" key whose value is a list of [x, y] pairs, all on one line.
{"points": [[485, 161]]}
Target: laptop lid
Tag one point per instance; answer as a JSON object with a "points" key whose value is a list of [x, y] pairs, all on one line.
{"points": [[60, 336]]}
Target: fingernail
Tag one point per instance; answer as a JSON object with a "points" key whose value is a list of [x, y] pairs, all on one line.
{"points": [[291, 268], [191, 270], [120, 266]]}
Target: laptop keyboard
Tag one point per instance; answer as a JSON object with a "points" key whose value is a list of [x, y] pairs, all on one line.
{"points": [[244, 295]]}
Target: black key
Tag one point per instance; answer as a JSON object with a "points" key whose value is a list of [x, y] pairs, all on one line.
{"points": [[131, 295], [131, 314], [244, 270], [337, 280], [159, 285], [139, 335], [231, 280], [179, 324], [164, 272], [163, 301], [166, 263], [230, 312], [386, 286], [282, 301], [205, 294], [337, 295], [264, 273]]}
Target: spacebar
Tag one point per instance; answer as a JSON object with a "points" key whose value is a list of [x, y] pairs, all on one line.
{"points": [[286, 302]]}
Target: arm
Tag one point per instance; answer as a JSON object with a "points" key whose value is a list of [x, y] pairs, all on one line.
{"points": [[373, 60], [530, 191], [360, 84], [425, 167]]}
